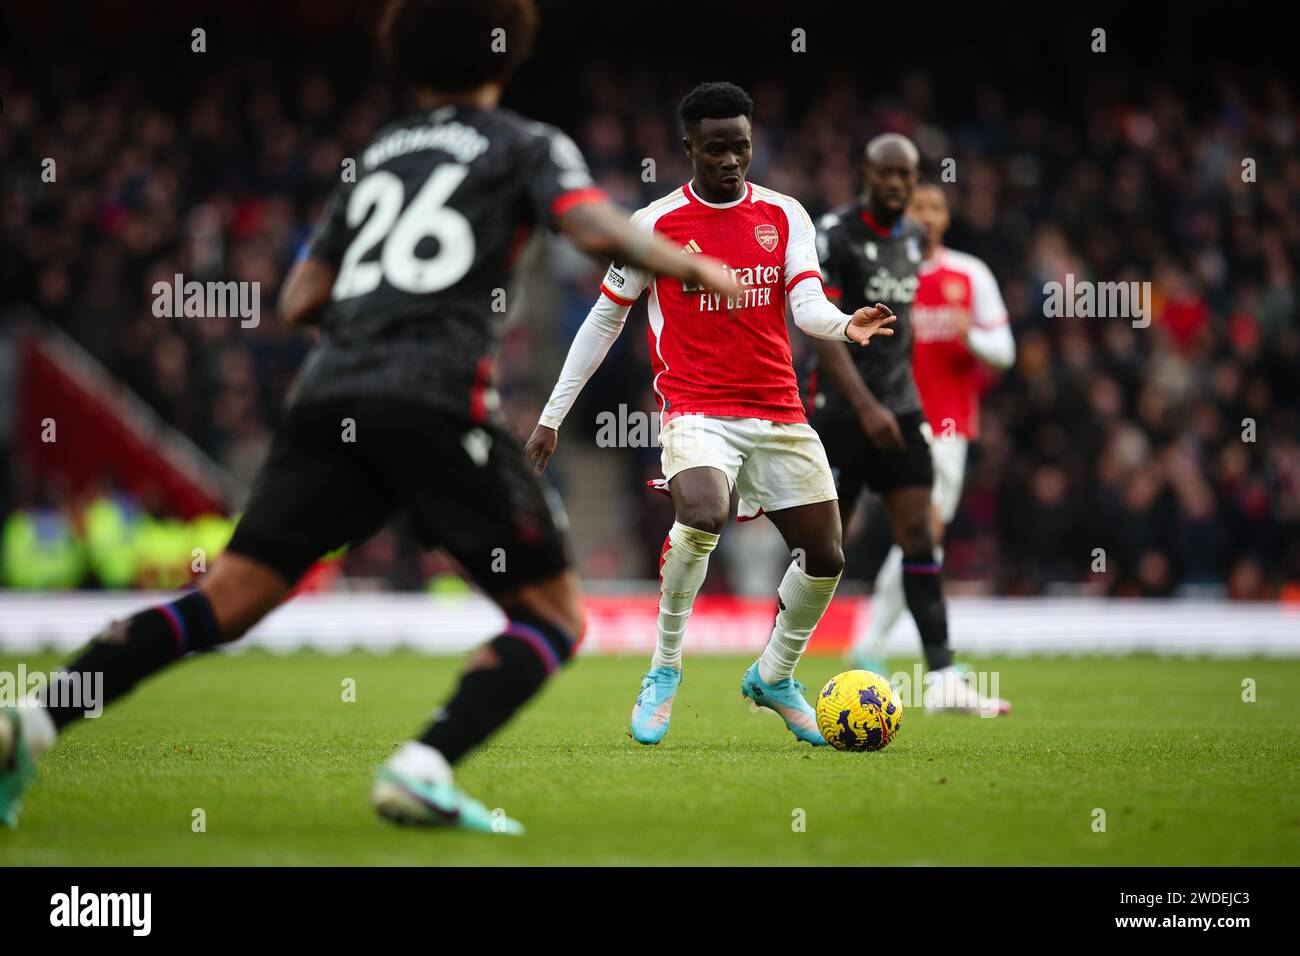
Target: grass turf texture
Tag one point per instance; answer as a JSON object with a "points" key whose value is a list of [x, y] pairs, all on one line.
{"points": [[1186, 772]]}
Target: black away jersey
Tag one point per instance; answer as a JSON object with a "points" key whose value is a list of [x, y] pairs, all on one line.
{"points": [[863, 266], [423, 243]]}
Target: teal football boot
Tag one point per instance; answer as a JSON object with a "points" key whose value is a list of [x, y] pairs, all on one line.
{"points": [[786, 698], [402, 798], [654, 704], [17, 766]]}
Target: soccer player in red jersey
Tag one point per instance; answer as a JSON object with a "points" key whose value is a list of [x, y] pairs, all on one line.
{"points": [[958, 321], [729, 399]]}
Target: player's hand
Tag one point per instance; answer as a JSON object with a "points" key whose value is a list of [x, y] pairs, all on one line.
{"points": [[869, 321], [541, 446], [881, 427], [714, 276]]}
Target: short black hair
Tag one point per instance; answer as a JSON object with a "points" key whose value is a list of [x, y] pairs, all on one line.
{"points": [[715, 101], [450, 45]]}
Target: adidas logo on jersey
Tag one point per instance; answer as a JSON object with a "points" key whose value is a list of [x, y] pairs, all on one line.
{"points": [[691, 248]]}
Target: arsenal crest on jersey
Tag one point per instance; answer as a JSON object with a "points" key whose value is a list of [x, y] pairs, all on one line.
{"points": [[767, 236]]}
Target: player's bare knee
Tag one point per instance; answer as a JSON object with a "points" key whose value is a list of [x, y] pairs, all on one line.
{"points": [[567, 602], [558, 603], [483, 659], [241, 592], [227, 612], [569, 615], [916, 541], [937, 529], [824, 561], [701, 516]]}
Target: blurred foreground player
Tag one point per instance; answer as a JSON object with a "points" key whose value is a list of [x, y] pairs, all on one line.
{"points": [[729, 400], [958, 321], [394, 409], [866, 406]]}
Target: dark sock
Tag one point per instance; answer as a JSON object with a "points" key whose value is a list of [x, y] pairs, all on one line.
{"points": [[128, 651], [527, 653], [923, 589]]}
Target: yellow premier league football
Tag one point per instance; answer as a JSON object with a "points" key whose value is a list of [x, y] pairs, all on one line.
{"points": [[858, 710]]}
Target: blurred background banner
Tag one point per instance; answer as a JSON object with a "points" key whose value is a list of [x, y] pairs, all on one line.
{"points": [[721, 624], [1171, 158]]}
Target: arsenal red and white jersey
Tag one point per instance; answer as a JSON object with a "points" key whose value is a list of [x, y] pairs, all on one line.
{"points": [[724, 358], [952, 285]]}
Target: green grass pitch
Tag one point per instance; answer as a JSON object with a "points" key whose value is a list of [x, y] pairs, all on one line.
{"points": [[1185, 770]]}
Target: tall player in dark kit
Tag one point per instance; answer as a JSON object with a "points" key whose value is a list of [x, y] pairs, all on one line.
{"points": [[729, 400], [394, 409], [959, 326], [866, 407]]}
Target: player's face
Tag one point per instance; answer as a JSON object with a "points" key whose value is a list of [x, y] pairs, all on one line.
{"points": [[891, 178], [719, 150], [929, 207]]}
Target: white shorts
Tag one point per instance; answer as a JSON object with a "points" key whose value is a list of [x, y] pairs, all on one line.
{"points": [[949, 458], [772, 465]]}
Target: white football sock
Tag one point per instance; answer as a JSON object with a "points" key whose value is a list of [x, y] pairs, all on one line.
{"points": [[887, 604], [685, 563], [802, 602], [39, 731], [419, 760]]}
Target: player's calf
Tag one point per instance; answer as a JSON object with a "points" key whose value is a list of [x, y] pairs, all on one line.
{"points": [[416, 784], [909, 511], [801, 600], [923, 591], [501, 678], [236, 594], [128, 651]]}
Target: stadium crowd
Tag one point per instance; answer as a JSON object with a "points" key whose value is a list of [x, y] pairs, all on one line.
{"points": [[1174, 449]]}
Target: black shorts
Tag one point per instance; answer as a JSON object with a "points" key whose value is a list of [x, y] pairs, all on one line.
{"points": [[856, 463], [466, 485]]}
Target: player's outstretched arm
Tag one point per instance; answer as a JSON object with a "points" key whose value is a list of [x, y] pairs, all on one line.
{"points": [[817, 315], [590, 346], [601, 229]]}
